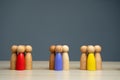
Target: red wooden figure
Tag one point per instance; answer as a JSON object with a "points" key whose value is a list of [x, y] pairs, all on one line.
{"points": [[20, 63]]}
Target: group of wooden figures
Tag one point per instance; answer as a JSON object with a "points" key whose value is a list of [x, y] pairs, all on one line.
{"points": [[21, 58], [90, 58], [59, 58]]}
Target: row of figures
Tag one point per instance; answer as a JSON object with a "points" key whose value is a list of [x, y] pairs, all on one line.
{"points": [[21, 58], [59, 58], [90, 58]]}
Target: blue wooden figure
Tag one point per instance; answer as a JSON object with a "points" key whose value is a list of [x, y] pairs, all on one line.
{"points": [[58, 58]]}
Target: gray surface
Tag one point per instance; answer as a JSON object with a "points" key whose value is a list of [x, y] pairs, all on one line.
{"points": [[41, 23], [111, 71]]}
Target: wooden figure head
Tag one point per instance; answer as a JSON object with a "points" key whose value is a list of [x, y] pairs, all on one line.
{"points": [[91, 49], [58, 48], [98, 48], [14, 48], [52, 48], [65, 48], [28, 48], [21, 49], [83, 49]]}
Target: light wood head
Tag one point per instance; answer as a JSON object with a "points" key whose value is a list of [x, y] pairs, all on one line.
{"points": [[91, 49], [65, 48], [52, 49], [14, 48], [83, 49], [21, 48], [58, 48], [98, 48], [28, 48]]}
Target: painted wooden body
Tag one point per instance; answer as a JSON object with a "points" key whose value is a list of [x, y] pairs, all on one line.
{"points": [[20, 63], [58, 62], [91, 63]]}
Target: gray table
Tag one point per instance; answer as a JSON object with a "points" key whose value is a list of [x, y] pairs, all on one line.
{"points": [[111, 71]]}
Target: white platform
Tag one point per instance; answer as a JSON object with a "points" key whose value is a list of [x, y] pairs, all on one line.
{"points": [[111, 71]]}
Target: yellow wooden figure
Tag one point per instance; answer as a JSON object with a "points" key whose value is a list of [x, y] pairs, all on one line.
{"points": [[91, 63]]}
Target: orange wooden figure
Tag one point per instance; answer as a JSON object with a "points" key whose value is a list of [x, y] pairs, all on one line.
{"points": [[52, 57]]}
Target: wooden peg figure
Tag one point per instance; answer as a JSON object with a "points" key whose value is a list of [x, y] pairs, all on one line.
{"points": [[98, 57], [28, 57], [20, 63], [58, 58], [52, 57], [91, 63], [83, 58], [13, 57], [65, 57]]}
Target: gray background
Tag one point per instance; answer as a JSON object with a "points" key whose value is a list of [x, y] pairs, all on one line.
{"points": [[42, 23]]}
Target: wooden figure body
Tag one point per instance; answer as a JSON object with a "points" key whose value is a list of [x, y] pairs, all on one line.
{"points": [[28, 57], [13, 57], [65, 57], [52, 57], [58, 58], [83, 58], [20, 63], [91, 63], [98, 57]]}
